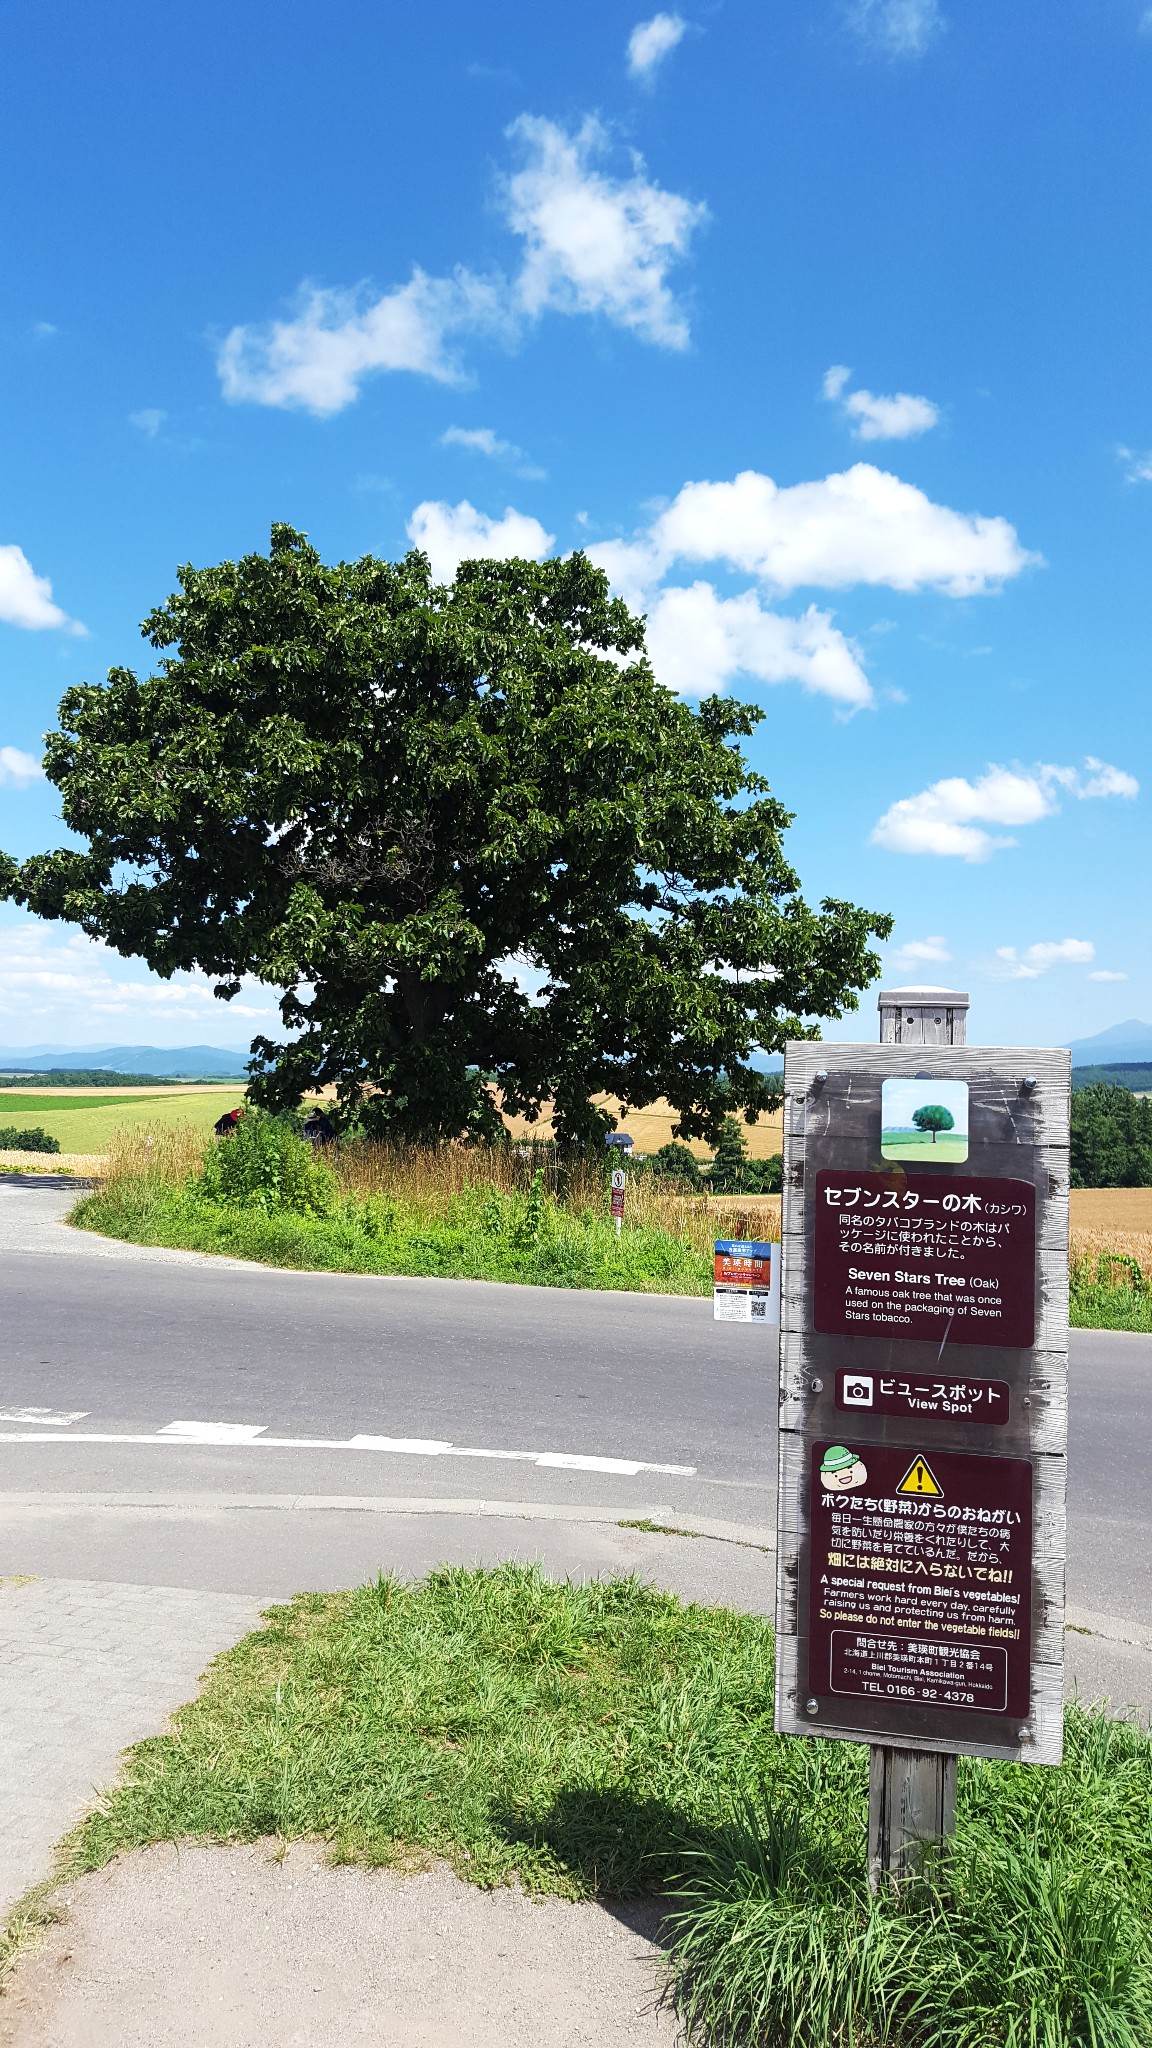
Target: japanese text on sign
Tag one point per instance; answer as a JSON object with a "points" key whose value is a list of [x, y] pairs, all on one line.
{"points": [[920, 1578], [931, 1256]]}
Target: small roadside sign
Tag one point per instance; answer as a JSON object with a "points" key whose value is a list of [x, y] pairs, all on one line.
{"points": [[619, 1183], [746, 1281]]}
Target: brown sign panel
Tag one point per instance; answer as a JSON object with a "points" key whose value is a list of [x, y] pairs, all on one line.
{"points": [[920, 1579], [953, 1397], [950, 1257]]}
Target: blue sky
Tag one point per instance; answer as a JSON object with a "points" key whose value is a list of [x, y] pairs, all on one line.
{"points": [[824, 324]]}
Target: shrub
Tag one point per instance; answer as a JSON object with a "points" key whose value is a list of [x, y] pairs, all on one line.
{"points": [[265, 1164], [35, 1140]]}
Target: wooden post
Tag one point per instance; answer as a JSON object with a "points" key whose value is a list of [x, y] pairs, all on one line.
{"points": [[912, 1792], [911, 1802]]}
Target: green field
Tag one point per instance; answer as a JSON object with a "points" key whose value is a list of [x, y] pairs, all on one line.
{"points": [[85, 1123], [949, 1148]]}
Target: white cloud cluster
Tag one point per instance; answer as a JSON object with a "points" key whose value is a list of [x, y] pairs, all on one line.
{"points": [[900, 28], [1107, 974], [872, 418], [1137, 467], [52, 979], [318, 359], [451, 534], [593, 244], [862, 525], [651, 41], [485, 441], [1034, 961], [952, 817], [921, 952], [19, 768], [148, 421], [699, 641], [25, 598]]}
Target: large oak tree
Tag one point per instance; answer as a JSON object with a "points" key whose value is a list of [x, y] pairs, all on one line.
{"points": [[463, 830]]}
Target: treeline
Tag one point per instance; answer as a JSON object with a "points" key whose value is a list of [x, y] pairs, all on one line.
{"points": [[1111, 1138], [1133, 1074], [86, 1077]]}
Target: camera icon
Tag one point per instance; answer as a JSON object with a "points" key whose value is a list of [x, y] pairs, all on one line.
{"points": [[857, 1390]]}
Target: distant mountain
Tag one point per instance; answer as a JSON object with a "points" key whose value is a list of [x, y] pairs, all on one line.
{"points": [[1125, 1044], [174, 1063]]}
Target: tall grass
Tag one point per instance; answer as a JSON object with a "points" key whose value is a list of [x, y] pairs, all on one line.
{"points": [[1110, 1281], [515, 1212]]}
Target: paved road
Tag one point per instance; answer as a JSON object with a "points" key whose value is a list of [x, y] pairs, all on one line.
{"points": [[354, 1400]]}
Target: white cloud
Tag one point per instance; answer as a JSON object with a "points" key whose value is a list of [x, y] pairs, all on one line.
{"points": [[920, 952], [862, 525], [25, 598], [58, 983], [1009, 965], [1137, 468], [318, 359], [148, 421], [872, 418], [18, 767], [451, 534], [950, 818], [484, 441], [1106, 974], [651, 41], [593, 243], [901, 28], [699, 641]]}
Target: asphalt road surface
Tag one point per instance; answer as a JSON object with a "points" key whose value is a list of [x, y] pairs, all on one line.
{"points": [[205, 1385]]}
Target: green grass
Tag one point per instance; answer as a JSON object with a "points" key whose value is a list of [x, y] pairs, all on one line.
{"points": [[606, 1740], [949, 1146], [1109, 1292], [85, 1123], [484, 1235]]}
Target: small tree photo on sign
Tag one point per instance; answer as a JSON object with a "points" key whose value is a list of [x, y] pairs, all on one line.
{"points": [[924, 1119]]}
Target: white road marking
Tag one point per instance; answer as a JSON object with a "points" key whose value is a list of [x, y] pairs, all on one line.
{"points": [[59, 1419], [214, 1432], [252, 1436]]}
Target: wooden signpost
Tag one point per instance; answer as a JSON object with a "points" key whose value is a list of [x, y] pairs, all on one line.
{"points": [[923, 1408]]}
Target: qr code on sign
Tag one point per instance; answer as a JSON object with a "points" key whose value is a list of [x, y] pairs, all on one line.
{"points": [[759, 1308]]}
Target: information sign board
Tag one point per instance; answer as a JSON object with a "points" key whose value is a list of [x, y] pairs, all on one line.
{"points": [[923, 1368], [926, 1255]]}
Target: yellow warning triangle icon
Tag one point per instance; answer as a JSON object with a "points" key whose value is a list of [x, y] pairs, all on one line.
{"points": [[920, 1479]]}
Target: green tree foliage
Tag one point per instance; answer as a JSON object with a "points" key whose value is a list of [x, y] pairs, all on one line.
{"points": [[36, 1140], [933, 1117], [382, 796], [1111, 1138], [677, 1162]]}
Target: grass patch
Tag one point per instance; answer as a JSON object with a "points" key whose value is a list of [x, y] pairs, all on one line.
{"points": [[607, 1740], [452, 1212], [91, 1123], [1109, 1290]]}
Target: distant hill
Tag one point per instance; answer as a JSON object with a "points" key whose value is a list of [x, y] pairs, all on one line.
{"points": [[173, 1063], [1127, 1044]]}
